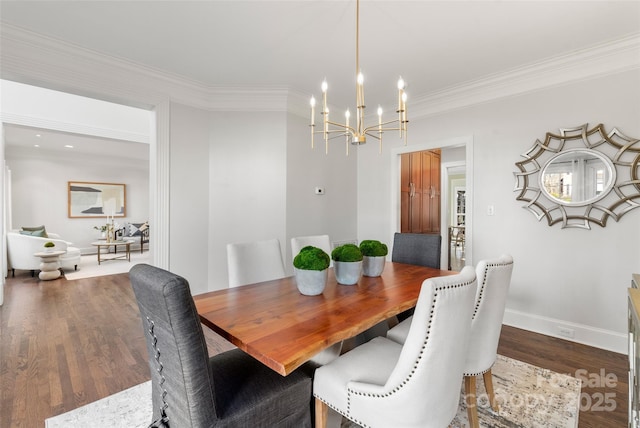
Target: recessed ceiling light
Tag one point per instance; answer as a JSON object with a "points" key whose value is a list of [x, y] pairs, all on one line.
{"points": [[68, 146], [38, 135], [36, 145]]}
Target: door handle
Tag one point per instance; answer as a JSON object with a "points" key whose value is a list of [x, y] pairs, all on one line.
{"points": [[433, 192]]}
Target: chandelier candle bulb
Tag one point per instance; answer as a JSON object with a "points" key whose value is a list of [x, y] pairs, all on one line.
{"points": [[313, 115], [400, 92], [313, 110]]}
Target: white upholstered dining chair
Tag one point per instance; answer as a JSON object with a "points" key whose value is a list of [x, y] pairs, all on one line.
{"points": [[494, 278], [385, 384], [320, 241], [251, 262]]}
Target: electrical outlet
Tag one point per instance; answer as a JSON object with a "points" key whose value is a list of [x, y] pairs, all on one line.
{"points": [[491, 210], [566, 332]]}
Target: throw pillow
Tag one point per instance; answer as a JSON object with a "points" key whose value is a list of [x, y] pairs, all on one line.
{"points": [[135, 229], [35, 231]]}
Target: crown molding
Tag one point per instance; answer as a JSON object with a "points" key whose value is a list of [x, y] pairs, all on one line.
{"points": [[31, 58], [597, 61]]}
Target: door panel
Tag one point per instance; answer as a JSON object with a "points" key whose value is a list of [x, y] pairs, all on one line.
{"points": [[420, 192]]}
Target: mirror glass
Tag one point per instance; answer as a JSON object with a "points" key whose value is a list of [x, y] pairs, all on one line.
{"points": [[577, 177]]}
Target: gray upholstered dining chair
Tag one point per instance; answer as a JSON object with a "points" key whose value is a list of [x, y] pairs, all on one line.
{"points": [[385, 384], [257, 261], [191, 390], [422, 249], [494, 278]]}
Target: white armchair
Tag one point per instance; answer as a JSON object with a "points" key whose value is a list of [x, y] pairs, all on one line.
{"points": [[21, 249], [494, 278], [385, 384]]}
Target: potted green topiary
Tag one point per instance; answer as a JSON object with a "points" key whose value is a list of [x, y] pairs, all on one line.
{"points": [[311, 268], [347, 264], [374, 253], [49, 246]]}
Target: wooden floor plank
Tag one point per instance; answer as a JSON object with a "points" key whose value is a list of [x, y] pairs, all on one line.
{"points": [[69, 343]]}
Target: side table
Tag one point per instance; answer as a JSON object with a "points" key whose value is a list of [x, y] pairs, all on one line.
{"points": [[49, 265]]}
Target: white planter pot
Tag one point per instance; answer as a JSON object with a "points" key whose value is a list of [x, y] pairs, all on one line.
{"points": [[373, 266], [311, 282], [348, 273]]}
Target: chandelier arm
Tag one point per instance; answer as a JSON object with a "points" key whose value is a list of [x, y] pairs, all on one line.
{"points": [[333, 131], [377, 130], [377, 137], [341, 134], [342, 125], [383, 126]]}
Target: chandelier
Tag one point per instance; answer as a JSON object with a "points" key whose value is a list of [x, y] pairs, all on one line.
{"points": [[358, 133]]}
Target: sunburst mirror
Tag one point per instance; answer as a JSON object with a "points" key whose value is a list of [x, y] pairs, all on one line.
{"points": [[580, 176]]}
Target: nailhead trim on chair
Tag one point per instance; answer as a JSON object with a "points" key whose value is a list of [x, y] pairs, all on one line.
{"points": [[163, 420], [484, 283], [478, 373], [415, 366], [480, 300]]}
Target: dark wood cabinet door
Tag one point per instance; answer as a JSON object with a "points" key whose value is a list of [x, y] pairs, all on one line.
{"points": [[420, 192]]}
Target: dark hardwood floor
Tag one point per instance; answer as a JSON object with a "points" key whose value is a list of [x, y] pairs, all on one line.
{"points": [[64, 344]]}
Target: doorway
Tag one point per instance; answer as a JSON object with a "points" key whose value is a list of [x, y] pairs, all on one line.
{"points": [[121, 140], [455, 152]]}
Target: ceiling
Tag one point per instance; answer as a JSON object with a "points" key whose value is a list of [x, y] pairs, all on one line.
{"points": [[294, 44], [47, 141]]}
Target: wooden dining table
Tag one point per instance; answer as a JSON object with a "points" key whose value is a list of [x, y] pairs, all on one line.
{"points": [[283, 329]]}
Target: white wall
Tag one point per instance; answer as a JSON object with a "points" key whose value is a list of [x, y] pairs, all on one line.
{"points": [[189, 196], [257, 174], [247, 173], [334, 212], [570, 277], [39, 191]]}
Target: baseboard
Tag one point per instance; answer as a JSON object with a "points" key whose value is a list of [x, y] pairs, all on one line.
{"points": [[579, 333]]}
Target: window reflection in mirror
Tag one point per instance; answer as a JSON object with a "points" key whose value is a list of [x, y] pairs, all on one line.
{"points": [[577, 177]]}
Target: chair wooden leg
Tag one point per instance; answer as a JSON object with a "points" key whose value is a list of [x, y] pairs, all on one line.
{"points": [[471, 401], [321, 414], [488, 384]]}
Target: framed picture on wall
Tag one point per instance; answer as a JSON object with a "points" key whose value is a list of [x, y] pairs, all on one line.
{"points": [[88, 199]]}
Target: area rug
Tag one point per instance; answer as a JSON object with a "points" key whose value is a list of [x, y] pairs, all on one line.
{"points": [[89, 267], [528, 396]]}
